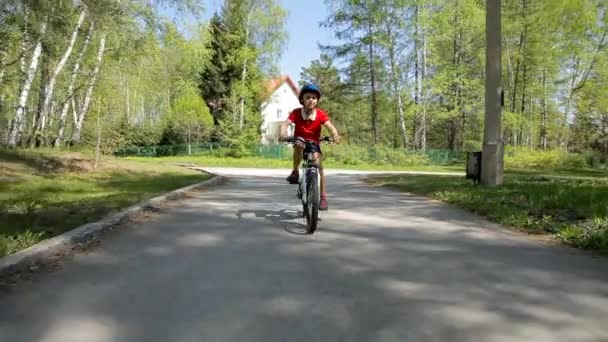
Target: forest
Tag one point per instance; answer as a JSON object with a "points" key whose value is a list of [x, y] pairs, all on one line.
{"points": [[403, 74]]}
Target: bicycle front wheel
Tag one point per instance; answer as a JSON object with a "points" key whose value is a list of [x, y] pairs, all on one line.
{"points": [[312, 202]]}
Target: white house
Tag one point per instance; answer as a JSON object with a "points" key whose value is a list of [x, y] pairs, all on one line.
{"points": [[282, 99]]}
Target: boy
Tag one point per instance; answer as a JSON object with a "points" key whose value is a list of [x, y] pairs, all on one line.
{"points": [[308, 122]]}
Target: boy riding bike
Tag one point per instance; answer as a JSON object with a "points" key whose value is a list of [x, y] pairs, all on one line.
{"points": [[308, 122]]}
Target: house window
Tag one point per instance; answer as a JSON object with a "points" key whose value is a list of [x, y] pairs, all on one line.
{"points": [[279, 113]]}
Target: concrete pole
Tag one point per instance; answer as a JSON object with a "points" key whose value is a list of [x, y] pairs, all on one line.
{"points": [[492, 151]]}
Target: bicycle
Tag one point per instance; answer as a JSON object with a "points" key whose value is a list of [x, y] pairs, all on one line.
{"points": [[309, 182]]}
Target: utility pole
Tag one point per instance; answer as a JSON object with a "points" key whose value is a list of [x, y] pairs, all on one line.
{"points": [[492, 152]]}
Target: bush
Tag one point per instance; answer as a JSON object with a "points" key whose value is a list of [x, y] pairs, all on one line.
{"points": [[523, 158], [378, 155], [347, 155], [595, 159], [590, 234]]}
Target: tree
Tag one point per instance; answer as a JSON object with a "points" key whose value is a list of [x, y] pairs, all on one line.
{"points": [[190, 115], [216, 79], [357, 26]]}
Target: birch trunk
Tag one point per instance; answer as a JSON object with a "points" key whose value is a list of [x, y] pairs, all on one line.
{"points": [[243, 77], [98, 145], [374, 104], [543, 120], [50, 87], [396, 85], [87, 99], [242, 100], [2, 57], [19, 121], [423, 95], [416, 77], [66, 105]]}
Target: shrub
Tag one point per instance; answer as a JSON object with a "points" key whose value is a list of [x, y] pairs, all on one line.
{"points": [[590, 234], [523, 158]]}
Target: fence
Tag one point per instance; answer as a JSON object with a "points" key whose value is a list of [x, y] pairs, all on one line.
{"points": [[279, 151], [169, 150]]}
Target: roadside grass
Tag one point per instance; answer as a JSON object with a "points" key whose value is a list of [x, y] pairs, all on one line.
{"points": [[44, 193], [572, 206]]}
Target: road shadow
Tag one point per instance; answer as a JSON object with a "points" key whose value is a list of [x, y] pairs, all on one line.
{"points": [[292, 221]]}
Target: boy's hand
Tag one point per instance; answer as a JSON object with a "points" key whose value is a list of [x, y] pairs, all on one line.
{"points": [[337, 139]]}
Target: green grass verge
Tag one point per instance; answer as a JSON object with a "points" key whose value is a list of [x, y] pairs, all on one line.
{"points": [[258, 162], [45, 193], [573, 208]]}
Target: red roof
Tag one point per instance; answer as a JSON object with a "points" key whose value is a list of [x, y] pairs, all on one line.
{"points": [[274, 84]]}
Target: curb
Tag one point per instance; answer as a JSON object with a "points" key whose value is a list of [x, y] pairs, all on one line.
{"points": [[86, 233]]}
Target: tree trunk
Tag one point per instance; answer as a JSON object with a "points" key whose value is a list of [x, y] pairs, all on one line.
{"points": [[44, 78], [98, 145], [543, 118], [22, 69], [19, 120], [242, 99], [244, 74], [83, 110], [128, 103], [563, 141], [50, 86], [2, 70], [70, 92], [517, 65], [374, 104], [396, 86], [423, 95], [189, 141], [416, 77], [523, 101]]}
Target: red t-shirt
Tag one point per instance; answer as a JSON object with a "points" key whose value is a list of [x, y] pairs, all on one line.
{"points": [[308, 129]]}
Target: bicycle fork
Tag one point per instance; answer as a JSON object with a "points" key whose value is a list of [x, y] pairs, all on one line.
{"points": [[303, 183]]}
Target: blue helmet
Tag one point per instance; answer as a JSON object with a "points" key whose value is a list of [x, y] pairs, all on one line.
{"points": [[309, 88]]}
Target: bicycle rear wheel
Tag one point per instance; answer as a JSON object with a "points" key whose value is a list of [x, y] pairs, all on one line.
{"points": [[311, 211]]}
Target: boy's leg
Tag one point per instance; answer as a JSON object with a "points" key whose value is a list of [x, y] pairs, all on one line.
{"points": [[322, 175], [323, 203], [297, 159], [297, 156]]}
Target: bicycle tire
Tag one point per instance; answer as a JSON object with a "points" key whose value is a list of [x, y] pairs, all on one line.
{"points": [[312, 202]]}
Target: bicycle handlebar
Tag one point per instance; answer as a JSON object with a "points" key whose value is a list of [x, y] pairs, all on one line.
{"points": [[293, 140]]}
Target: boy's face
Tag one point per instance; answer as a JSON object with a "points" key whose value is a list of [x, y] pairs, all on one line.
{"points": [[310, 100]]}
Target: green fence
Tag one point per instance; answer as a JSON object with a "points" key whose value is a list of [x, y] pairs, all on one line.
{"points": [[280, 151], [202, 149], [444, 157]]}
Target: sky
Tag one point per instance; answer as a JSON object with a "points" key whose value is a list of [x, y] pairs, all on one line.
{"points": [[304, 33]]}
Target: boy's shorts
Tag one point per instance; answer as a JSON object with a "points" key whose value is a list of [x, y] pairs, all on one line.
{"points": [[311, 148]]}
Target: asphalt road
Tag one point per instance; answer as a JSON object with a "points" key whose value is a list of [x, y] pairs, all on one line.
{"points": [[232, 264]]}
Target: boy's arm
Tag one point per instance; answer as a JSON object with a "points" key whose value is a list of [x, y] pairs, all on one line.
{"points": [[290, 119], [283, 131], [334, 131]]}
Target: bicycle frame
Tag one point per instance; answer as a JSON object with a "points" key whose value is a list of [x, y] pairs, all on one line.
{"points": [[307, 167]]}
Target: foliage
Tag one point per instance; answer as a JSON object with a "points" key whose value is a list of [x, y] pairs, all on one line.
{"points": [[136, 68], [525, 158]]}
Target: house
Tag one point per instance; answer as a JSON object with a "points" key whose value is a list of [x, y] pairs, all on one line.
{"points": [[281, 99]]}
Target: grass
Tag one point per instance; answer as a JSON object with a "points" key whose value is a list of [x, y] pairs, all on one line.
{"points": [[259, 162], [570, 206], [45, 193]]}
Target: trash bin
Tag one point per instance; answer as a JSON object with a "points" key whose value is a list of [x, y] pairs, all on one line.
{"points": [[473, 170]]}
